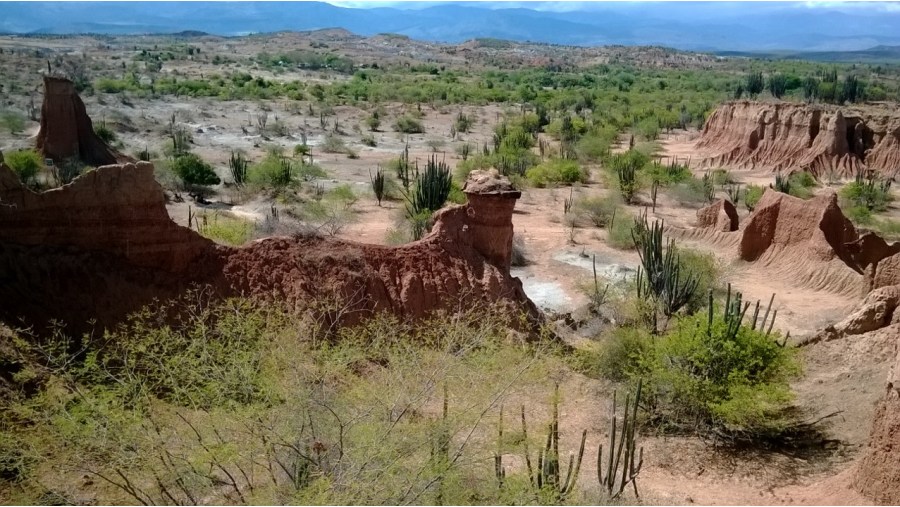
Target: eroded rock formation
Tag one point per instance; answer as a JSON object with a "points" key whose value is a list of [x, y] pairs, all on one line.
{"points": [[789, 137], [784, 225], [720, 215], [103, 246], [66, 129], [878, 473]]}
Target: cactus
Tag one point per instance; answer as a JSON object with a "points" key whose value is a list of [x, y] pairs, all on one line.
{"points": [[499, 471], [597, 298], [546, 475], [405, 171], [377, 183], [734, 193], [567, 202], [782, 183], [431, 188], [660, 273], [440, 450], [286, 170], [709, 187], [238, 166], [621, 442], [734, 313], [626, 172], [654, 191]]}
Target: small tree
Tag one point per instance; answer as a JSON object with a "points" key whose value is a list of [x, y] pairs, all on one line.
{"points": [[196, 174], [755, 84]]}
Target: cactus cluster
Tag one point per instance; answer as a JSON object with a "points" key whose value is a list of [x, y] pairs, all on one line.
{"points": [[736, 309], [237, 164], [378, 183], [545, 473], [431, 188], [659, 275], [406, 172], [621, 466]]}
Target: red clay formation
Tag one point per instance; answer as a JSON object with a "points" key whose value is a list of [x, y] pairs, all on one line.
{"points": [[878, 474], [103, 246], [67, 131], [719, 215], [802, 229], [791, 137]]}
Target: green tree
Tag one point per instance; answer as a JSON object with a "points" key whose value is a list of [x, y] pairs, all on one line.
{"points": [[25, 163], [194, 171]]}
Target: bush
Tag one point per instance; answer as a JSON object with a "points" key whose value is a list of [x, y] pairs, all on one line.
{"points": [[333, 144], [193, 170], [706, 268], [704, 380], [13, 122], [667, 175], [622, 352], [599, 210], [592, 148], [408, 125], [223, 229], [625, 167], [871, 194], [368, 140], [272, 171], [691, 192], [555, 171], [25, 163], [105, 133], [619, 231], [801, 184], [752, 195]]}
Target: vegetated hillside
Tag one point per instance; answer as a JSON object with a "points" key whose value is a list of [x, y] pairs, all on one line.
{"points": [[877, 54]]}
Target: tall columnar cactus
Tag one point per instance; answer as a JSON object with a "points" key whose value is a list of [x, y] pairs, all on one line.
{"points": [[238, 166], [736, 309], [406, 173], [431, 188], [546, 476], [782, 183], [378, 183], [623, 464], [660, 275]]}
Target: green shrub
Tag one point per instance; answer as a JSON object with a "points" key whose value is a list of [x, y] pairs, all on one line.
{"points": [[692, 191], [591, 148], [706, 268], [619, 231], [25, 163], [368, 140], [408, 125], [801, 184], [193, 170], [599, 210], [667, 175], [271, 171], [871, 194], [105, 133], [223, 229], [752, 195], [859, 215], [622, 352], [13, 122], [555, 171], [722, 177], [705, 381], [333, 144]]}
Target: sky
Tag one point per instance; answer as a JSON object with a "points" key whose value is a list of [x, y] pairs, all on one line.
{"points": [[567, 5]]}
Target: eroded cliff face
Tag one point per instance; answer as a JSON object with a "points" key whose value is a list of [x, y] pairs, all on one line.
{"points": [[104, 246], [792, 137], [878, 473], [66, 129]]}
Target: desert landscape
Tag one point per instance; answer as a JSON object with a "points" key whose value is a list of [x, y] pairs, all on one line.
{"points": [[323, 268]]}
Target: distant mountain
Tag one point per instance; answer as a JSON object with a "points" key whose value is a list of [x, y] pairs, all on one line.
{"points": [[704, 26]]}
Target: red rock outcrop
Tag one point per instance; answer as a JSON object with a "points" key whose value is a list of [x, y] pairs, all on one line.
{"points": [[878, 473], [720, 215], [103, 246], [792, 137], [784, 225], [66, 129]]}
